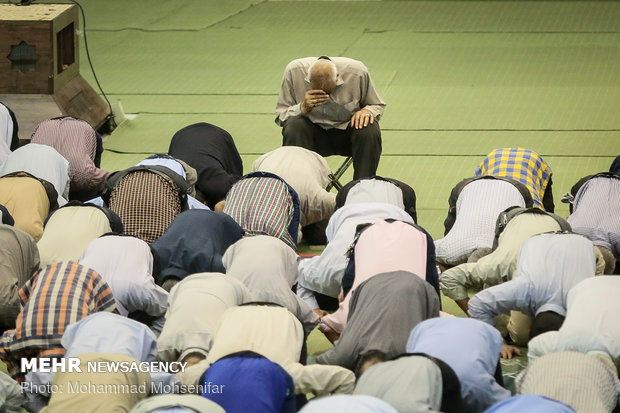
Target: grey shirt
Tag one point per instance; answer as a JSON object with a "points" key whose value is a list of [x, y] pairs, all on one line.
{"points": [[355, 90]]}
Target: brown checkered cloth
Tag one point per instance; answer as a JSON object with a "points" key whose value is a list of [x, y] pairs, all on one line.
{"points": [[147, 203]]}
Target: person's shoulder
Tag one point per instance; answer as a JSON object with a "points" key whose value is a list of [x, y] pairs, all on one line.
{"points": [[346, 64]]}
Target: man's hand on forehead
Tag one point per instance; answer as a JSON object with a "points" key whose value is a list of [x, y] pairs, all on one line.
{"points": [[312, 99]]}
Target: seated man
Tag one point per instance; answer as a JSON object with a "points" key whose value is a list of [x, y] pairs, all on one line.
{"points": [[42, 162], [323, 274], [330, 106], [591, 324], [475, 204], [308, 173], [275, 333], [412, 383], [514, 227], [596, 215], [127, 265], [264, 204], [531, 404], [9, 138], [28, 200], [549, 266], [70, 229], [384, 246], [55, 296], [382, 313], [345, 403], [525, 166], [587, 383], [177, 403], [194, 242], [20, 259], [188, 333], [248, 382], [211, 151], [79, 144], [471, 349], [271, 277]]}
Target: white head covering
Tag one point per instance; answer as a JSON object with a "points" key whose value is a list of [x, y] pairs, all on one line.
{"points": [[6, 132], [43, 162]]}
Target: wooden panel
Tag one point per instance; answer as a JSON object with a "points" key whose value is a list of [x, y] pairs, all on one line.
{"points": [[37, 27], [79, 100]]}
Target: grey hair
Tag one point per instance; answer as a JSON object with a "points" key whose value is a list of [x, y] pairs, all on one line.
{"points": [[324, 62]]}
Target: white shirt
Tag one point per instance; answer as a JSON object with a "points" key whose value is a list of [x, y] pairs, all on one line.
{"points": [[195, 307], [324, 272], [126, 264], [591, 324], [308, 173], [549, 265], [43, 162], [477, 208], [6, 133]]}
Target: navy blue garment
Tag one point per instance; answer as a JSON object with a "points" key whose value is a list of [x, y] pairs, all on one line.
{"points": [[248, 382], [211, 151], [615, 166], [7, 218], [194, 242]]}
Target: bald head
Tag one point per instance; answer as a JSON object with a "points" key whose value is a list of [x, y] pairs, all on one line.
{"points": [[323, 75]]}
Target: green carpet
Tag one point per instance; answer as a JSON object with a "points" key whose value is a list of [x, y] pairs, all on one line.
{"points": [[460, 78]]}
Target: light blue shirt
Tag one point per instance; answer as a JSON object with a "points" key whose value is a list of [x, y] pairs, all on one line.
{"points": [[344, 403], [531, 404], [471, 348], [548, 266]]}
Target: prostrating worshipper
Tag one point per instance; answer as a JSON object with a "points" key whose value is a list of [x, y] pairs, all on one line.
{"points": [[591, 326], [382, 247], [525, 166], [127, 264], [475, 204], [514, 227], [411, 383], [177, 403], [42, 162], [188, 332], [587, 383], [472, 349], [264, 204], [28, 200], [103, 338], [5, 216], [271, 277], [20, 259], [531, 404], [211, 151], [148, 197], [374, 189], [9, 132], [308, 173], [83, 223], [330, 105], [56, 296], [82, 146], [194, 242], [323, 274], [249, 382], [275, 333], [549, 265], [382, 312], [345, 403], [596, 215], [11, 395]]}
